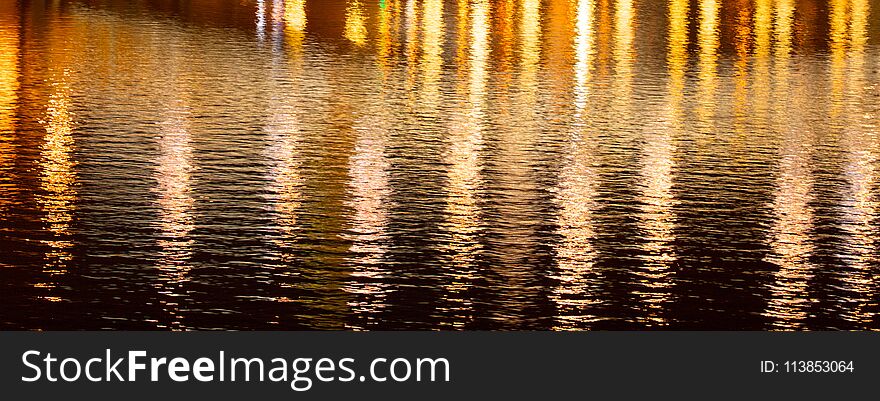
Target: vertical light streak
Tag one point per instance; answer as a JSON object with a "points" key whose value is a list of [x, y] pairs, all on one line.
{"points": [[295, 24], [576, 289], [57, 175], [860, 206], [465, 165], [9, 85], [707, 38], [434, 35], [794, 216], [174, 190], [355, 23]]}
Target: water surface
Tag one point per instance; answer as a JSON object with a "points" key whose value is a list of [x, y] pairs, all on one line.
{"points": [[439, 164]]}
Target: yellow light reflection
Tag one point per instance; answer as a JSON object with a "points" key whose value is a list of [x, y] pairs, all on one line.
{"points": [[286, 182], [412, 43], [57, 175], [388, 29], [285, 148], [434, 36], [707, 37], [742, 40], [464, 175], [576, 291], [9, 84], [558, 43], [624, 52], [173, 175], [503, 34], [355, 23], [762, 32], [790, 242], [860, 202], [294, 23], [370, 194], [838, 40], [657, 198]]}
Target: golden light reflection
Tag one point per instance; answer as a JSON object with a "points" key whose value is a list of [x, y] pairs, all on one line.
{"points": [[838, 41], [295, 23], [559, 52], [708, 40], [530, 30], [286, 181], [677, 54], [355, 23], [465, 146], [285, 148], [518, 129], [57, 174], [434, 35], [577, 289], [502, 30], [784, 28], [790, 235], [860, 207], [370, 194], [173, 176], [742, 40], [624, 52], [9, 84], [792, 249], [658, 163], [412, 44], [584, 52], [762, 46], [604, 29], [389, 19]]}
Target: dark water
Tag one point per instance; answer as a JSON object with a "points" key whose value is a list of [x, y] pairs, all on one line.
{"points": [[431, 164]]}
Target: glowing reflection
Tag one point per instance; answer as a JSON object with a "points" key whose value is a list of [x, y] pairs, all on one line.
{"points": [[577, 288], [793, 214], [860, 204], [658, 163], [559, 48], [838, 38], [432, 59], [530, 29], [389, 15], [517, 139], [741, 43], [464, 175], [286, 182], [294, 23], [277, 21], [57, 175], [9, 84], [503, 34], [369, 198], [173, 175], [412, 43], [285, 150], [761, 91], [624, 52], [260, 22], [355, 23], [707, 37]]}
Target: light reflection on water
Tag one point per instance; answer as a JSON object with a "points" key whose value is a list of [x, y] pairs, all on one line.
{"points": [[452, 164]]}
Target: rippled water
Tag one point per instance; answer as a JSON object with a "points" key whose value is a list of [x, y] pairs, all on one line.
{"points": [[431, 164]]}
